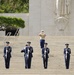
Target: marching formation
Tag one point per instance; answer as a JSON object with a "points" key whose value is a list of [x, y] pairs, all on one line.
{"points": [[28, 53]]}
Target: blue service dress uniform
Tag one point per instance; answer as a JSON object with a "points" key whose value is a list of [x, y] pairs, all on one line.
{"points": [[67, 52], [45, 56], [7, 56], [28, 56]]}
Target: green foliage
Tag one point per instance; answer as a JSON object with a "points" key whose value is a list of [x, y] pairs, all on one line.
{"points": [[11, 22], [14, 6]]}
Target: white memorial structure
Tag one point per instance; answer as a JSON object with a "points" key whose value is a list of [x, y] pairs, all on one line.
{"points": [[55, 17]]}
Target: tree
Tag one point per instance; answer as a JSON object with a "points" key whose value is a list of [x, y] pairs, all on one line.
{"points": [[14, 6], [9, 22]]}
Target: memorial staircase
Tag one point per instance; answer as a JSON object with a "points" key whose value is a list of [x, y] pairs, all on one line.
{"points": [[56, 64]]}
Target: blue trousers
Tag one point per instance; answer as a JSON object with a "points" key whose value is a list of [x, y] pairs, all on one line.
{"points": [[42, 41], [45, 63], [7, 63], [28, 62], [67, 61]]}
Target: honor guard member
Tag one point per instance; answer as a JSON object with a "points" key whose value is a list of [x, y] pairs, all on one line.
{"points": [[28, 55], [42, 38], [45, 56], [67, 52], [26, 64], [7, 54]]}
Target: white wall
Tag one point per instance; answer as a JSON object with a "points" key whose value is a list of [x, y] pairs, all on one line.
{"points": [[42, 17], [71, 23], [2, 33], [34, 17]]}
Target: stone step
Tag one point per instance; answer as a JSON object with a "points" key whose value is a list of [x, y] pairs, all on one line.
{"points": [[56, 63]]}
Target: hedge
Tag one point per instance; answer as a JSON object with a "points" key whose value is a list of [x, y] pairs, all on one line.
{"points": [[11, 22]]}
